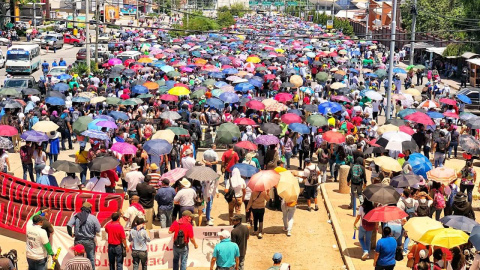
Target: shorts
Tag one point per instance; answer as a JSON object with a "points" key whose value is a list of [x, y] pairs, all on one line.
{"points": [[310, 192]]}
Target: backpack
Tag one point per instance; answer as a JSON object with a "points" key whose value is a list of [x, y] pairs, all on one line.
{"points": [[184, 116], [452, 195], [439, 200], [313, 177], [323, 157], [367, 225], [357, 174], [179, 242], [305, 145], [174, 152], [409, 209], [442, 145], [61, 123], [423, 210]]}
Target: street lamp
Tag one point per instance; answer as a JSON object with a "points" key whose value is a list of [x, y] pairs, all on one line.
{"points": [[35, 13]]}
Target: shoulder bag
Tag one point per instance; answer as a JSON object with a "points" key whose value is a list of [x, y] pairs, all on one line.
{"points": [[411, 262], [230, 195]]}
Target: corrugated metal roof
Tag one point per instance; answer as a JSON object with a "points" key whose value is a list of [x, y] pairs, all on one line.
{"points": [[469, 55]]}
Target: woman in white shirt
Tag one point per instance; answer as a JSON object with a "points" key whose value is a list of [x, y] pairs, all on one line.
{"points": [[71, 182], [4, 163], [238, 184], [40, 158]]}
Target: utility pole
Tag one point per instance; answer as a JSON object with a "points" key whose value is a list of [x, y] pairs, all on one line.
{"points": [[390, 65], [97, 19], [87, 34], [138, 19], [333, 11], [34, 16], [414, 23], [368, 19]]}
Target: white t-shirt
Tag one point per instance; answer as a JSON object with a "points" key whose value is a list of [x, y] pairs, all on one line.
{"points": [[131, 214], [39, 159], [185, 197], [92, 185], [36, 238], [238, 186], [3, 161], [188, 162], [134, 178], [70, 182]]}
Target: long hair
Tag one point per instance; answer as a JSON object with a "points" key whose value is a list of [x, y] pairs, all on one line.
{"points": [[367, 206], [458, 260]]}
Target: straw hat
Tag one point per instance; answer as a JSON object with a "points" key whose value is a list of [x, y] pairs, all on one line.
{"points": [[185, 183]]}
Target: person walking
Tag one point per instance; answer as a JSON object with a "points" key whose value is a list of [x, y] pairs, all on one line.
{"points": [[82, 158], [40, 159], [79, 262], [116, 242], [226, 253], [385, 251], [185, 197], [38, 246], [133, 213], [257, 202], [210, 158], [366, 228], [311, 174], [182, 230], [229, 158], [240, 235], [357, 181], [237, 183], [133, 178], [139, 239], [86, 227], [288, 210], [26, 156], [440, 147], [468, 179], [147, 197], [164, 198]]}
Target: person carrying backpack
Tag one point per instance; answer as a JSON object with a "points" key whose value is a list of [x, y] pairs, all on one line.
{"points": [[366, 228], [440, 148], [424, 204], [182, 230], [357, 181], [310, 176]]}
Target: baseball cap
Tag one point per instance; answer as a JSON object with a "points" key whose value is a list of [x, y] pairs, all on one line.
{"points": [[277, 256], [224, 234], [79, 248], [187, 213]]}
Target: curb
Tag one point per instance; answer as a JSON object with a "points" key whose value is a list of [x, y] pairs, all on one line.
{"points": [[337, 230]]}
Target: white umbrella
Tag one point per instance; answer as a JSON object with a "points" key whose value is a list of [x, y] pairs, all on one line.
{"points": [[374, 95], [397, 136]]}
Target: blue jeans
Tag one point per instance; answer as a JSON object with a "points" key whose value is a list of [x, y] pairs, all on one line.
{"points": [[89, 249], [288, 156], [165, 217], [208, 208], [439, 158], [469, 189], [37, 264], [365, 238], [53, 158], [139, 258], [180, 254], [83, 173], [454, 146], [38, 170], [115, 256], [405, 243], [28, 168], [356, 190], [396, 233]]}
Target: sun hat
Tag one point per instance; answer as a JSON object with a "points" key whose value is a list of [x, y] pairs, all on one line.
{"points": [[184, 182], [153, 167], [134, 166], [47, 170]]}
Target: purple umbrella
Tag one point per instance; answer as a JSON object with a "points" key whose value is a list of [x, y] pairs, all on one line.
{"points": [[107, 124], [34, 136], [114, 61], [267, 140], [106, 117]]}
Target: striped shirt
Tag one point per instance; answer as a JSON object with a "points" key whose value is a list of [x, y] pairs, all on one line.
{"points": [[78, 263], [155, 178]]}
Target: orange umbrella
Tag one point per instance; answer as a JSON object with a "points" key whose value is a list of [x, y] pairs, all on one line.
{"points": [[200, 61], [145, 60], [151, 85], [264, 180], [296, 80], [442, 175], [341, 72]]}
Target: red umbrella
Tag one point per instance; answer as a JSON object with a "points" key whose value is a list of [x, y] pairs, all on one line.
{"points": [[448, 101], [451, 114], [255, 105], [181, 85], [264, 180], [333, 54], [290, 118], [128, 62], [385, 214], [244, 121], [269, 76], [8, 131], [407, 130], [333, 137], [247, 145], [283, 97], [340, 98], [420, 118], [168, 97]]}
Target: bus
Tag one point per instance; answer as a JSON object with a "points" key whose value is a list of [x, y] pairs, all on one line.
{"points": [[23, 59]]}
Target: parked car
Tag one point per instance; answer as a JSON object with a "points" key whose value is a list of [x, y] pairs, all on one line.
{"points": [[82, 55], [2, 60], [474, 94], [4, 41], [21, 82], [52, 39], [55, 72], [71, 39], [116, 46]]}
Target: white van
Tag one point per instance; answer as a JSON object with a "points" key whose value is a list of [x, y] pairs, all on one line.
{"points": [[129, 55], [23, 58]]}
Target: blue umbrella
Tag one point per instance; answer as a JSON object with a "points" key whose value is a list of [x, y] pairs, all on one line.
{"points": [[373, 75], [406, 112], [157, 147], [467, 116], [139, 89], [300, 128], [399, 70], [353, 70], [217, 75], [434, 115], [464, 99], [119, 115], [229, 97], [475, 239], [62, 87], [295, 111], [459, 222], [475, 230], [55, 101], [216, 103], [170, 84], [64, 77], [244, 87], [246, 170], [230, 71], [327, 107], [92, 125], [420, 164], [80, 99], [34, 136], [225, 61], [95, 134], [104, 117], [255, 83], [220, 84]]}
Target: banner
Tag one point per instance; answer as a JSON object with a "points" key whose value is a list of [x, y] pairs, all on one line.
{"points": [[160, 253], [20, 199], [111, 13]]}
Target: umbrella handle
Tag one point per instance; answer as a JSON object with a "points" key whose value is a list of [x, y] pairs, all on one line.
{"points": [[354, 232]]}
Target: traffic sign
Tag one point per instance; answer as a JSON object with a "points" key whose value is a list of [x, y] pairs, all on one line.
{"points": [[279, 4], [267, 3], [292, 3]]}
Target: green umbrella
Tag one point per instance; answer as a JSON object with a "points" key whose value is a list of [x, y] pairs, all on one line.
{"points": [[173, 74], [9, 92], [162, 90], [381, 73], [113, 101], [128, 102], [136, 100], [160, 82], [178, 131], [317, 120], [226, 132], [261, 68], [209, 82], [81, 124], [197, 94], [422, 67], [322, 76], [410, 67], [145, 96]]}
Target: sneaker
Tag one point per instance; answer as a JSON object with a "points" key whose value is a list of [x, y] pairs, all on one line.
{"points": [[316, 207], [285, 229], [309, 209], [260, 235], [289, 233], [365, 256], [210, 222]]}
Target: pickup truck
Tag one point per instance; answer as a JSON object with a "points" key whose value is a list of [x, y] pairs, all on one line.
{"points": [[71, 39], [474, 94]]}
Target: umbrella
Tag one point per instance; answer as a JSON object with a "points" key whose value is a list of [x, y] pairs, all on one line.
{"points": [[442, 174], [300, 128], [446, 237], [226, 132], [271, 128], [165, 134], [406, 112], [396, 136], [385, 214], [41, 126], [246, 170], [55, 101], [388, 164], [420, 164], [473, 123], [395, 122], [30, 91], [459, 222], [244, 121], [229, 97], [288, 187], [448, 101], [67, 166], [469, 144], [317, 120], [80, 99], [420, 118], [95, 134], [264, 180], [475, 240], [157, 147], [201, 173], [464, 99], [380, 193], [113, 100], [374, 95], [327, 107], [179, 131], [174, 174], [290, 118], [5, 143], [374, 150], [416, 227], [283, 97], [387, 128], [9, 92], [106, 124], [171, 115], [267, 140], [247, 145], [216, 103], [61, 87], [465, 116], [321, 76], [255, 105], [119, 115], [124, 148], [405, 180], [139, 89], [333, 137], [101, 164], [179, 91], [310, 108], [34, 136]]}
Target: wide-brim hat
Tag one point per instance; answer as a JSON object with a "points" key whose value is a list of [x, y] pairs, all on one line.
{"points": [[53, 135], [184, 182], [47, 170]]}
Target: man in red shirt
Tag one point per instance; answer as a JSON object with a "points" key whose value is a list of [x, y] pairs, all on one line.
{"points": [[357, 120], [229, 158], [180, 248], [113, 177], [116, 238]]}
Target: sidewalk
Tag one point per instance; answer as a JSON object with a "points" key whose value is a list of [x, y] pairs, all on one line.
{"points": [[454, 85]]}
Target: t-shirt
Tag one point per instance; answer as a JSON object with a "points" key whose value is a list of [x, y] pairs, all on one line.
{"points": [[240, 236], [115, 233], [92, 185], [186, 197], [146, 194], [70, 182], [39, 159], [386, 247], [232, 160], [133, 178], [36, 238], [183, 225], [307, 170], [438, 141], [131, 214]]}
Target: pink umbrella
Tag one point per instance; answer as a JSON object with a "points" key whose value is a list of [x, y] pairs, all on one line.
{"points": [[124, 148], [264, 180], [283, 97], [167, 97], [340, 98], [451, 115], [174, 174], [114, 61], [420, 118], [244, 121], [448, 101], [407, 130], [290, 118], [256, 105]]}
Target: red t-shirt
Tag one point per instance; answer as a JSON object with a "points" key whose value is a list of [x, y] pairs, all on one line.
{"points": [[357, 120], [111, 175], [306, 100], [184, 225], [232, 160], [116, 233]]}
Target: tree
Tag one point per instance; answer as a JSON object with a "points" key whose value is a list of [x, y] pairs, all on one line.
{"points": [[238, 9], [225, 19]]}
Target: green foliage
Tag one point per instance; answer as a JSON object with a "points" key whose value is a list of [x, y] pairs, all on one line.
{"points": [[238, 9], [457, 49], [82, 68], [225, 19], [340, 24]]}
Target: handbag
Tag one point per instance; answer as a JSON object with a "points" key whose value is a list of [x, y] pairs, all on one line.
{"points": [[411, 262], [230, 195], [399, 254]]}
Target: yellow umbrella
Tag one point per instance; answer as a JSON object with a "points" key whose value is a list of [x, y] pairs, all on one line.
{"points": [[165, 134], [241, 37], [446, 237], [97, 100], [413, 92], [337, 85], [288, 187], [145, 60], [89, 95], [242, 73], [416, 227], [45, 126], [179, 91], [387, 164], [279, 50], [387, 128], [296, 80], [253, 59]]}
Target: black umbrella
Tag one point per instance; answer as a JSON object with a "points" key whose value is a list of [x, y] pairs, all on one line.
{"points": [[374, 150], [30, 91], [11, 104], [469, 144], [101, 164], [395, 122], [410, 145], [310, 108], [459, 222], [382, 194], [287, 84], [281, 59], [338, 77], [271, 128], [201, 173], [128, 72], [474, 123], [382, 142], [405, 180], [55, 94], [67, 166]]}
